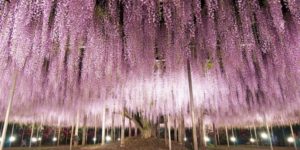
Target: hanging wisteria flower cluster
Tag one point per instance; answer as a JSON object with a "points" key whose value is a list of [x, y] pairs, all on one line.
{"points": [[84, 55]]}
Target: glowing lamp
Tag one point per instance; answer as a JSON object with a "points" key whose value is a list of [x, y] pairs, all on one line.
{"points": [[185, 139], [34, 139], [252, 140], [264, 135], [94, 139], [206, 139], [54, 139], [118, 139], [291, 139], [12, 139], [233, 139], [39, 139], [108, 138]]}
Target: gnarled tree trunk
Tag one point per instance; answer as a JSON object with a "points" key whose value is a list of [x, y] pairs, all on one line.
{"points": [[147, 128]]}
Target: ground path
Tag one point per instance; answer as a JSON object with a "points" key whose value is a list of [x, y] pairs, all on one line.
{"points": [[149, 144]]}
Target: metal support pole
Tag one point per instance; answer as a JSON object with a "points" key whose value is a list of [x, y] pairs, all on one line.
{"points": [[204, 135], [129, 130], [113, 130], [12, 133], [175, 130], [293, 135], [123, 129], [166, 130], [76, 129], [71, 139], [270, 137], [215, 135], [169, 133], [195, 142], [95, 131], [227, 138], [103, 126], [32, 129], [135, 131], [10, 100], [84, 131], [232, 134], [218, 135], [58, 135], [180, 130], [256, 139]]}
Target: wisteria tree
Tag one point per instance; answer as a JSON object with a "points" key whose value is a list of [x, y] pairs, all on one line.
{"points": [[71, 56]]}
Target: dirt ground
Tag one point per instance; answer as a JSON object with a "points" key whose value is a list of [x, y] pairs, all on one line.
{"points": [[243, 147], [130, 144], [149, 144], [138, 144]]}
